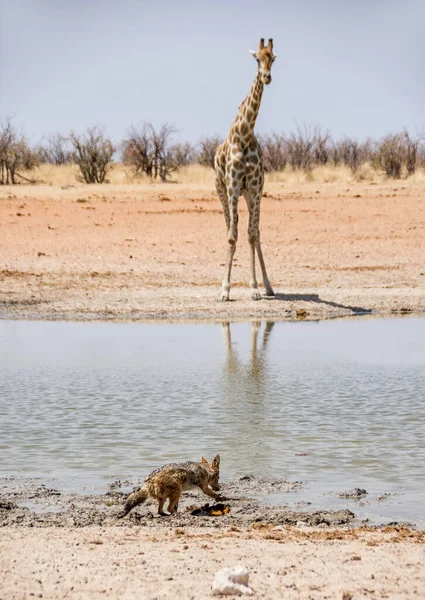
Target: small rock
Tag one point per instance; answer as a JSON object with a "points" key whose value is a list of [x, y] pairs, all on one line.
{"points": [[355, 493], [7, 505], [232, 581]]}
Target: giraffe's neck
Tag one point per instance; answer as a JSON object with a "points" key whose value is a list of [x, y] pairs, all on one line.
{"points": [[243, 125]]}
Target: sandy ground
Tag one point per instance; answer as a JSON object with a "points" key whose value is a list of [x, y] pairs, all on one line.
{"points": [[284, 563], [157, 251], [66, 545]]}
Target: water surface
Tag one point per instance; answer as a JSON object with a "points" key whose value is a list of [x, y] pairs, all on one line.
{"points": [[337, 404]]}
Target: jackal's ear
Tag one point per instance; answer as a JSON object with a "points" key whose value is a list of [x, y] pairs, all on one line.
{"points": [[216, 462], [203, 460]]}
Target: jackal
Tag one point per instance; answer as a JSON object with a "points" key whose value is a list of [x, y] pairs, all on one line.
{"points": [[173, 479]]}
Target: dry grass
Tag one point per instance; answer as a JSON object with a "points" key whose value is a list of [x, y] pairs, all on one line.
{"points": [[196, 174], [67, 175], [323, 174]]}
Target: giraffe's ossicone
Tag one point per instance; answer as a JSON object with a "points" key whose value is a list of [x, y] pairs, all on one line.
{"points": [[240, 172]]}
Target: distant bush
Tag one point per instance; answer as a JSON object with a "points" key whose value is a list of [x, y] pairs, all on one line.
{"points": [[351, 153], [300, 145], [92, 153], [207, 147], [151, 151], [275, 152], [15, 155], [322, 146], [54, 149], [396, 155], [156, 153]]}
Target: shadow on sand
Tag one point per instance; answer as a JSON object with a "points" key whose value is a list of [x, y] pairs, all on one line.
{"points": [[358, 310]]}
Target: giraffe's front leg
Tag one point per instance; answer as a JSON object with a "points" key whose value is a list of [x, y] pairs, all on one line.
{"points": [[254, 242], [225, 287], [267, 285], [232, 238], [253, 284], [252, 238]]}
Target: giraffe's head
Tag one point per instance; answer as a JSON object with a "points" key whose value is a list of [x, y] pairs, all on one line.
{"points": [[265, 58]]}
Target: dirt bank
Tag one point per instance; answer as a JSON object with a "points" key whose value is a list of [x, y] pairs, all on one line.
{"points": [[157, 252]]}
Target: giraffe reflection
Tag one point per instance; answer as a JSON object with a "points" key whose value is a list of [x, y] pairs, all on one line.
{"points": [[250, 377]]}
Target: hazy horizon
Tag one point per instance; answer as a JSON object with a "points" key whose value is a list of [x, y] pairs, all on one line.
{"points": [[351, 67]]}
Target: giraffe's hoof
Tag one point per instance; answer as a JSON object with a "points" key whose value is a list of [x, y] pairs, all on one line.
{"points": [[224, 297], [256, 295], [270, 293]]}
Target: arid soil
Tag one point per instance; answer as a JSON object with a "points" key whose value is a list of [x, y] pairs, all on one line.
{"points": [[64, 545], [142, 252], [135, 563]]}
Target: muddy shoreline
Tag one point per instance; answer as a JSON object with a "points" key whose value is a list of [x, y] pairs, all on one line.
{"points": [[28, 502], [21, 312]]}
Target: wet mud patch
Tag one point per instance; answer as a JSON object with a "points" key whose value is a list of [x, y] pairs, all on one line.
{"points": [[31, 503]]}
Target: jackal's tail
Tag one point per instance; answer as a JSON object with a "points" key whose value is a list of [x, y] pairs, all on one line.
{"points": [[134, 499]]}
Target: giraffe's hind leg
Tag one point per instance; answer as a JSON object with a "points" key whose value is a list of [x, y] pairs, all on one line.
{"points": [[252, 236]]}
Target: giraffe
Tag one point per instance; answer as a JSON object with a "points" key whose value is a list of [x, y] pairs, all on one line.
{"points": [[239, 171]]}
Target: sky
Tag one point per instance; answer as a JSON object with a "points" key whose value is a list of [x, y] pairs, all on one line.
{"points": [[353, 67]]}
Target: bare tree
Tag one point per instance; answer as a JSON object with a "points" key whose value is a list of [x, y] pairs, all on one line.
{"points": [[151, 151], [420, 158], [351, 153], [15, 155], [7, 138], [275, 153], [92, 153], [206, 150], [412, 152], [389, 155], [301, 149], [54, 150], [162, 155], [322, 146], [137, 150]]}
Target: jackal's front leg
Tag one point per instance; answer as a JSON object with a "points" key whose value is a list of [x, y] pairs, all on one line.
{"points": [[208, 492]]}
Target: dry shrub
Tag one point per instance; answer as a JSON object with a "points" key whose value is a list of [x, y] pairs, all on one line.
{"points": [[152, 151], [396, 155], [92, 153], [300, 148], [275, 153], [322, 146], [351, 153], [54, 149], [207, 147], [16, 155], [388, 157]]}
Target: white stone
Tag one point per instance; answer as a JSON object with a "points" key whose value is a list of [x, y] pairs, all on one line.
{"points": [[232, 581]]}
